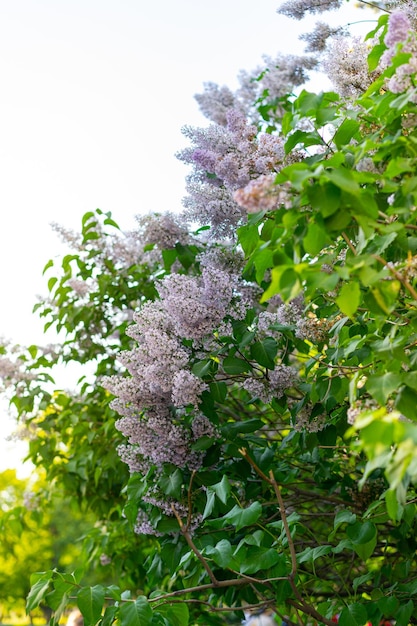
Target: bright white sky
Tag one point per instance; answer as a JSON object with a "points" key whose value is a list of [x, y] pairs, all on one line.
{"points": [[94, 94]]}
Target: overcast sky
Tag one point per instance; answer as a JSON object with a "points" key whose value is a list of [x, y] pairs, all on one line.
{"points": [[94, 94]]}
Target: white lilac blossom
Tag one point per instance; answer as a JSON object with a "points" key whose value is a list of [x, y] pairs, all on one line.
{"points": [[213, 206], [105, 559], [225, 258], [272, 385], [400, 37], [289, 70], [277, 77], [186, 389], [202, 427], [362, 405], [312, 424], [317, 39], [163, 230], [14, 365], [124, 249], [290, 313], [233, 154], [409, 8], [262, 194], [226, 158], [346, 66], [297, 9], [215, 102], [160, 381], [313, 329], [80, 287], [155, 441], [266, 320], [196, 305], [398, 29]]}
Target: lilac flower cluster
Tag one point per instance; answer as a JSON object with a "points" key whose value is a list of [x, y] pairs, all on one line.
{"points": [[401, 37], [196, 304], [276, 77], [232, 154], [161, 384], [318, 38], [162, 230], [262, 194], [346, 66], [272, 385], [297, 9], [226, 158], [306, 421], [216, 101], [14, 370]]}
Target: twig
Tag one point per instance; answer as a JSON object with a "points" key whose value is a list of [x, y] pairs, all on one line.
{"points": [[374, 5], [397, 275], [219, 583], [189, 499], [349, 243], [215, 609], [271, 480], [187, 536], [278, 494]]}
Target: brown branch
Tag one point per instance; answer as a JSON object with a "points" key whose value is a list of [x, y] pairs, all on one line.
{"points": [[349, 243], [215, 609], [189, 499], [278, 494], [251, 462], [271, 480], [374, 5], [397, 275], [310, 610], [187, 536], [219, 583]]}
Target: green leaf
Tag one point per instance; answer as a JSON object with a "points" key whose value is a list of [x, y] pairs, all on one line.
{"points": [[324, 197], [259, 558], [47, 266], [346, 131], [375, 55], [171, 484], [406, 402], [344, 517], [394, 508], [248, 237], [90, 601], [222, 489], [363, 536], [177, 614], [353, 615], [109, 615], [221, 553], [349, 298], [311, 554], [345, 180], [402, 616], [315, 240], [203, 368], [244, 517], [233, 365], [40, 585], [264, 352], [137, 613], [57, 598], [382, 386]]}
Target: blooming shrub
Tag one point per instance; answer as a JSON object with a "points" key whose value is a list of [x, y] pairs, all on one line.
{"points": [[256, 371]]}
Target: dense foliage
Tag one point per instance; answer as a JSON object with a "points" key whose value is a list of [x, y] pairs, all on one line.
{"points": [[244, 431]]}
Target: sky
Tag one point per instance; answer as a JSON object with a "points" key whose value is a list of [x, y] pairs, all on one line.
{"points": [[94, 96]]}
